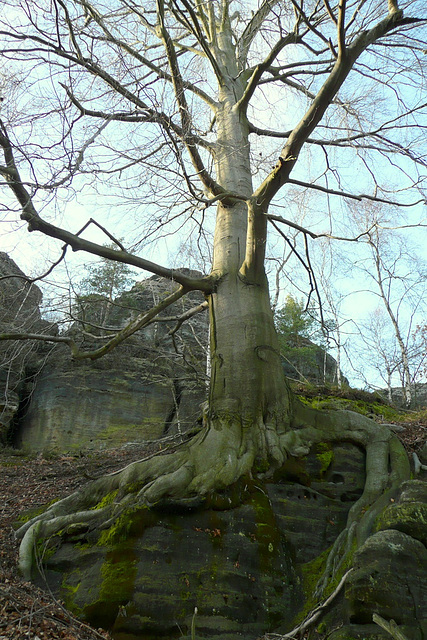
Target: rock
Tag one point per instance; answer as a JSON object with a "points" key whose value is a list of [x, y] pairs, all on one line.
{"points": [[418, 391], [240, 567], [19, 312], [232, 565], [311, 515], [317, 366], [389, 578], [408, 512], [374, 632], [150, 386]]}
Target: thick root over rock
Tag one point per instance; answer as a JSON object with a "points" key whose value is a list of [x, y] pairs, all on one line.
{"points": [[215, 459]]}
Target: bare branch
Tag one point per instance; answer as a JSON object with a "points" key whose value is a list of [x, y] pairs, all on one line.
{"points": [[42, 338], [341, 27], [36, 223], [142, 320], [187, 134], [313, 235], [318, 107], [290, 38], [199, 35], [252, 29], [312, 616], [362, 196], [147, 62]]}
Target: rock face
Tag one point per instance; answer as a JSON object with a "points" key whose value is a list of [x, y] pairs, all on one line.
{"points": [[251, 569], [149, 386], [311, 363], [389, 578], [19, 312], [419, 396], [250, 562], [389, 575]]}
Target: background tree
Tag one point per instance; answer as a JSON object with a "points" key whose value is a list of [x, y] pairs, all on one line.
{"points": [[97, 290], [166, 105], [399, 283], [300, 336]]}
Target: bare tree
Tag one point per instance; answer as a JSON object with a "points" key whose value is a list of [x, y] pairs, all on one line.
{"points": [[167, 105], [397, 276]]}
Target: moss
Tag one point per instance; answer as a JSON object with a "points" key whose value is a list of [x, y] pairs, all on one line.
{"points": [[232, 496], [69, 590], [118, 576], [312, 572], [123, 527], [370, 406], [130, 524], [32, 513], [45, 549], [325, 455], [267, 534], [106, 500], [261, 466], [408, 517]]}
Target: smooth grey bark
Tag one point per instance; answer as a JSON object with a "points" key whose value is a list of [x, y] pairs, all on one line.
{"points": [[247, 382]]}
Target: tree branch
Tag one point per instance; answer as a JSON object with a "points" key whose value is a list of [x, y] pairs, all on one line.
{"points": [[36, 223], [42, 338], [342, 67], [252, 29], [389, 625], [199, 35], [187, 134], [148, 63], [343, 194], [142, 320], [290, 38], [313, 235]]}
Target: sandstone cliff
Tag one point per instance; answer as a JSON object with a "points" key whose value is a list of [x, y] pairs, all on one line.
{"points": [[150, 386]]}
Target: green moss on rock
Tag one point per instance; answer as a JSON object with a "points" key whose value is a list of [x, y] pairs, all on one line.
{"points": [[408, 517], [106, 500], [325, 455]]}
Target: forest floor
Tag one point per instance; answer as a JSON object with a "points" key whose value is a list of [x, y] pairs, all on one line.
{"points": [[29, 482]]}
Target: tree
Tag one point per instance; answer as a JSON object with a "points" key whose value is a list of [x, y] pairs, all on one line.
{"points": [[108, 279], [300, 334], [399, 283], [103, 282], [165, 103]]}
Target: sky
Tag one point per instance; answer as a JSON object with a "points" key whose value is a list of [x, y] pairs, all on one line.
{"points": [[34, 253]]}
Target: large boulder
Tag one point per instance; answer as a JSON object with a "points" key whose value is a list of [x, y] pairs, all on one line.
{"points": [[310, 362], [389, 578]]}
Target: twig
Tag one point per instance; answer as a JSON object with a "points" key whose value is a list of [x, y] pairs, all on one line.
{"points": [[313, 615], [390, 626]]}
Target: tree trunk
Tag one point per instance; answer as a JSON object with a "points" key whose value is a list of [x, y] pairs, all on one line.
{"points": [[247, 381], [406, 374]]}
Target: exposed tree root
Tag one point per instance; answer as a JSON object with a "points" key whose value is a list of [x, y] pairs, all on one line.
{"points": [[387, 466], [217, 457]]}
